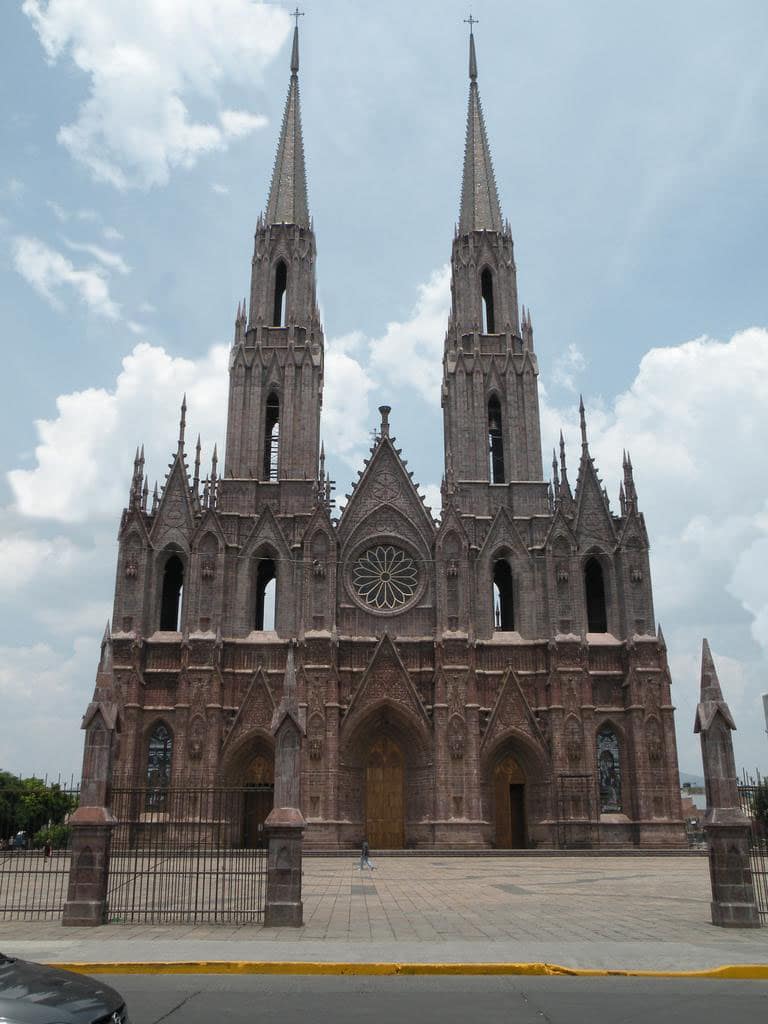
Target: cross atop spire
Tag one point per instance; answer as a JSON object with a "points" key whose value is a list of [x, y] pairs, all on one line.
{"points": [[287, 202], [480, 209]]}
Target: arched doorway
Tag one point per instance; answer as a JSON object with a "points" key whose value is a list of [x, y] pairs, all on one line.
{"points": [[509, 801], [385, 795], [259, 798]]}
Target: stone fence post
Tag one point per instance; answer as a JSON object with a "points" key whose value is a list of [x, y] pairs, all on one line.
{"points": [[92, 822], [725, 824], [285, 823]]}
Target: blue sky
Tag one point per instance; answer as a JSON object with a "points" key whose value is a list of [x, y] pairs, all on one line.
{"points": [[630, 150]]}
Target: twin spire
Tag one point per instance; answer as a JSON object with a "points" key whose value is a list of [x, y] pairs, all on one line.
{"points": [[287, 202]]}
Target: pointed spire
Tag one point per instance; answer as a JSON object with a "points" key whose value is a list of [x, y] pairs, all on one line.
{"points": [[183, 422], [555, 474], [196, 477], [583, 423], [155, 499], [480, 209], [145, 495], [287, 202], [622, 499], [710, 684]]}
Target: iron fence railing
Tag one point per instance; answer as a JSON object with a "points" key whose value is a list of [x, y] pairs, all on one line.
{"points": [[754, 803]]}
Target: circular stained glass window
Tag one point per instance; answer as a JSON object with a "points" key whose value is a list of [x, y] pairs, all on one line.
{"points": [[385, 577]]}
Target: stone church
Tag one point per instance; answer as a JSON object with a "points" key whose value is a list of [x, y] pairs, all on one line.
{"points": [[489, 678]]}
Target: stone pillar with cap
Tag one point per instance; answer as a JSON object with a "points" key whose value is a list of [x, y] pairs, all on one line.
{"points": [[725, 824], [285, 823], [92, 822]]}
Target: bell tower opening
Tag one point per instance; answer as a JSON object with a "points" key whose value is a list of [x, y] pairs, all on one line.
{"points": [[495, 441], [266, 595], [503, 604], [594, 585], [281, 285], [272, 437], [486, 288], [170, 603]]}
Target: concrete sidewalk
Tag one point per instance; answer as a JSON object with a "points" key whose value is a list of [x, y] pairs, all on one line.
{"points": [[646, 913]]}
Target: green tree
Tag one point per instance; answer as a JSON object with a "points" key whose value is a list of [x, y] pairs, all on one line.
{"points": [[28, 805]]}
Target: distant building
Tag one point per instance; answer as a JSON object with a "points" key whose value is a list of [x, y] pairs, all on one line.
{"points": [[494, 678]]}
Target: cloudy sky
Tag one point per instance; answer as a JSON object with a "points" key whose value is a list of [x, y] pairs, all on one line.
{"points": [[630, 151]]}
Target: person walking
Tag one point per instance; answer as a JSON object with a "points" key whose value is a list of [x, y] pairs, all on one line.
{"points": [[364, 858]]}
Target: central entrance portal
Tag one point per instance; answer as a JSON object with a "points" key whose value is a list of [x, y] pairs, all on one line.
{"points": [[509, 786], [384, 796]]}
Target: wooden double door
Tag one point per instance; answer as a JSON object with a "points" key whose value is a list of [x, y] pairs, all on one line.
{"points": [[385, 795], [509, 790]]}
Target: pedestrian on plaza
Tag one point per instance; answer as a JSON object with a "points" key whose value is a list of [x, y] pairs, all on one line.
{"points": [[364, 858]]}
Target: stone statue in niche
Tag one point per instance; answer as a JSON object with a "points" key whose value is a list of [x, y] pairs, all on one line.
{"points": [[573, 745]]}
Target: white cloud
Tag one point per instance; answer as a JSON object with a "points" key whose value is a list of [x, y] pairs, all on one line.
{"points": [[220, 190], [111, 260], [147, 307], [24, 558], [411, 352], [345, 419], [149, 62], [64, 216], [13, 188], [112, 234], [568, 366], [48, 271], [84, 457]]}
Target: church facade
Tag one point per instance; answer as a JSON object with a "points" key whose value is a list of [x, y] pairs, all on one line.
{"points": [[493, 677]]}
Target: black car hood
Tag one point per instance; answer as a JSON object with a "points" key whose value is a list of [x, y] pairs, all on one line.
{"points": [[43, 995]]}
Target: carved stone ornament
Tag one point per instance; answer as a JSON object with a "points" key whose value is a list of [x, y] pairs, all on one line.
{"points": [[385, 577], [452, 569], [318, 569], [315, 748], [131, 569], [456, 738], [562, 575], [636, 574], [573, 745], [196, 742], [208, 568]]}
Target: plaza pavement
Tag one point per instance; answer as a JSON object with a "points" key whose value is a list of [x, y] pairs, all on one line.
{"points": [[642, 913]]}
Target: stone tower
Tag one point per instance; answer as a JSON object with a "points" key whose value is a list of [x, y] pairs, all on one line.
{"points": [[494, 677]]}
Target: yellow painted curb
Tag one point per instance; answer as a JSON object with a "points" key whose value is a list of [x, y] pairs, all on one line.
{"points": [[740, 971]]}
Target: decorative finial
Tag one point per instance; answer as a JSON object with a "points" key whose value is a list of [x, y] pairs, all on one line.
{"points": [[295, 51], [183, 420], [472, 56], [583, 423], [385, 410]]}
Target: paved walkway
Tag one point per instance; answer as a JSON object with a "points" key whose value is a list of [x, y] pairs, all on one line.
{"points": [[640, 912]]}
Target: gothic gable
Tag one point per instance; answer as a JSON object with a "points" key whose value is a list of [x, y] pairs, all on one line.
{"points": [[504, 533], [385, 680], [385, 481], [266, 531], [174, 519], [593, 521], [512, 711], [255, 712]]}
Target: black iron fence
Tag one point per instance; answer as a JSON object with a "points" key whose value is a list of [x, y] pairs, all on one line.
{"points": [[754, 803], [34, 848], [188, 855], [177, 854]]}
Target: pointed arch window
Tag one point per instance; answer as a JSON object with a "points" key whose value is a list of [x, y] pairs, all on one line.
{"points": [[281, 286], [609, 770], [266, 594], [503, 600], [159, 765], [170, 602], [271, 437], [486, 289], [495, 441], [594, 587]]}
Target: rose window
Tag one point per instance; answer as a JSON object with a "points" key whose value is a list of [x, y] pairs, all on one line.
{"points": [[385, 577]]}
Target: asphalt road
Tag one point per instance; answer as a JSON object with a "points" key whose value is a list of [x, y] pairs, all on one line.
{"points": [[208, 999]]}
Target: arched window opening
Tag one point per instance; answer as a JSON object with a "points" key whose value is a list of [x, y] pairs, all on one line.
{"points": [[503, 606], [486, 287], [170, 604], [594, 585], [266, 594], [609, 771], [159, 763], [495, 441], [271, 437], [281, 283]]}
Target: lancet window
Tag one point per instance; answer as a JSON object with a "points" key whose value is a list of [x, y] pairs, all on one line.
{"points": [[503, 602], [495, 441], [272, 437], [170, 602], [281, 285], [594, 586]]}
